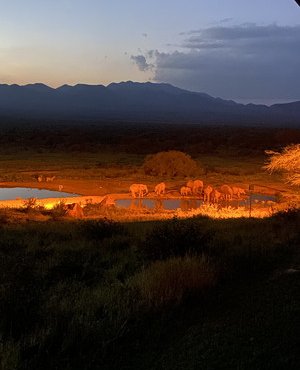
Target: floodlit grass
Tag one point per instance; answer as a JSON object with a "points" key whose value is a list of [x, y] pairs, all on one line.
{"points": [[214, 211]]}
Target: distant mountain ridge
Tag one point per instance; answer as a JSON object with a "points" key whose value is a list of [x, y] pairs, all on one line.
{"points": [[136, 101]]}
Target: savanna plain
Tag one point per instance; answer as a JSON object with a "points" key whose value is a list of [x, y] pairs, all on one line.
{"points": [[141, 288]]}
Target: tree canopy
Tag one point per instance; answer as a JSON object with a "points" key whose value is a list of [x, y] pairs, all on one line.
{"points": [[287, 162], [171, 163]]}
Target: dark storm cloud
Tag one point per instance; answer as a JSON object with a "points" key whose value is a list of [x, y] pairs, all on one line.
{"points": [[246, 31], [244, 61], [141, 62]]}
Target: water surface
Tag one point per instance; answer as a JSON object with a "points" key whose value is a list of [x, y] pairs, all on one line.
{"points": [[188, 204], [25, 193]]}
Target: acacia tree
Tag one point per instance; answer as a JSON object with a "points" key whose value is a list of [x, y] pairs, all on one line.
{"points": [[171, 163], [287, 162]]}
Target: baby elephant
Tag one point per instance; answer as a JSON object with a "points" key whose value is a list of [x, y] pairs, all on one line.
{"points": [[185, 190]]}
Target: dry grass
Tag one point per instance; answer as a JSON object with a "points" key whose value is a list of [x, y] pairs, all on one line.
{"points": [[170, 281]]}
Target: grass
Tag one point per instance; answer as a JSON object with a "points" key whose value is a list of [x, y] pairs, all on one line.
{"points": [[170, 282], [79, 295]]}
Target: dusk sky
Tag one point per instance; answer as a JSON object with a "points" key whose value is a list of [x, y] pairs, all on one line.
{"points": [[235, 49]]}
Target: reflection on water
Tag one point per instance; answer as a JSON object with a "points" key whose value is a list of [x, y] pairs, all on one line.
{"points": [[187, 204], [25, 193], [160, 204], [255, 199]]}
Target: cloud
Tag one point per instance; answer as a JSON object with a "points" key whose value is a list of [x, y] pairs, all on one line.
{"points": [[226, 20], [141, 62], [241, 61], [243, 33]]}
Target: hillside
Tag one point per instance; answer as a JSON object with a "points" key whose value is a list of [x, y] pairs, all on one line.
{"points": [[138, 102]]}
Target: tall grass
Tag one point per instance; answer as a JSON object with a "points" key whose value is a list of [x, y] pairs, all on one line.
{"points": [[177, 238], [69, 291], [169, 282]]}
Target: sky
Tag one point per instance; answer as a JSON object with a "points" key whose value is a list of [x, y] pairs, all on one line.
{"points": [[248, 51]]}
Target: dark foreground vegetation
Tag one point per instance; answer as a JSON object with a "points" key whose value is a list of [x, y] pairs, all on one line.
{"points": [[179, 294]]}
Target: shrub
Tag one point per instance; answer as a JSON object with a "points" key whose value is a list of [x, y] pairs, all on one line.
{"points": [[176, 238], [100, 229], [59, 210], [92, 209], [4, 217], [30, 204], [171, 281], [171, 163]]}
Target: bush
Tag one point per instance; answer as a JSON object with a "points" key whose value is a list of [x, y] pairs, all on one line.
{"points": [[100, 229], [4, 217], [172, 163], [171, 281], [176, 238], [92, 209], [59, 210], [30, 204]]}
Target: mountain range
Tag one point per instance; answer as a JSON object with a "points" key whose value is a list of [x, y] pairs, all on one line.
{"points": [[134, 101]]}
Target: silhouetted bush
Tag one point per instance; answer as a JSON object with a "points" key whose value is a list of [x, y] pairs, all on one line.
{"points": [[176, 238], [59, 210], [172, 163], [30, 204], [100, 229], [171, 281], [4, 217]]}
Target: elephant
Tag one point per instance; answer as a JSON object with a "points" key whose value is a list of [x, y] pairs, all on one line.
{"points": [[160, 188], [216, 196], [227, 192], [138, 190], [207, 193], [238, 191], [185, 190], [197, 187], [190, 184]]}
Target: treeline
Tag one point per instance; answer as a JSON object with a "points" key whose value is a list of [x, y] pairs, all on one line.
{"points": [[143, 138]]}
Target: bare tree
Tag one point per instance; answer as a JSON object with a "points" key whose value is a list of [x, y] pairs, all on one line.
{"points": [[287, 162]]}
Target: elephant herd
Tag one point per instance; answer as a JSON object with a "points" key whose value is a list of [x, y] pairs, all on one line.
{"points": [[193, 187], [210, 194]]}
